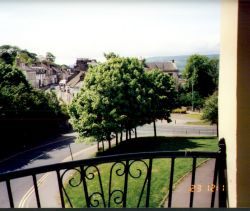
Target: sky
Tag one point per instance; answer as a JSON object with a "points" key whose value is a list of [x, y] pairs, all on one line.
{"points": [[72, 29]]}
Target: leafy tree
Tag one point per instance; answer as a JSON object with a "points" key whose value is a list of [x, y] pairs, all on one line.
{"points": [[12, 55], [108, 101], [161, 93], [202, 75], [210, 111], [50, 57], [110, 55], [188, 98], [118, 96], [214, 71], [26, 57], [11, 76], [8, 54]]}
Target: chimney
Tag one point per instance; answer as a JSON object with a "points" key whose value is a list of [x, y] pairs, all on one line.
{"points": [[173, 61]]}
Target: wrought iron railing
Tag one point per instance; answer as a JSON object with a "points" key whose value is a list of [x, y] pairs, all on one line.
{"points": [[121, 166]]}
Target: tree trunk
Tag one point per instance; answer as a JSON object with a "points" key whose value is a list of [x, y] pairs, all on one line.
{"points": [[121, 137], [217, 130], [98, 147], [102, 145], [135, 133], [109, 144], [154, 129], [126, 134], [116, 139], [129, 134]]}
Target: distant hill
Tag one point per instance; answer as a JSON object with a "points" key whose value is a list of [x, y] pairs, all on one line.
{"points": [[179, 60]]}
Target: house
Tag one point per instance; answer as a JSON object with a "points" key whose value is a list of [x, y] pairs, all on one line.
{"points": [[43, 74], [168, 67], [30, 76], [40, 76], [82, 64], [79, 71]]}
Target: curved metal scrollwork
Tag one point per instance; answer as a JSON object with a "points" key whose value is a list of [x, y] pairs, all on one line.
{"points": [[127, 169], [96, 198], [90, 173], [118, 199], [81, 176], [117, 194], [72, 181], [139, 175], [138, 170]]}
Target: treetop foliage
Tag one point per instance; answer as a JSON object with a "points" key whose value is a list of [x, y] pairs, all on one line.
{"points": [[118, 95], [202, 73], [13, 55]]}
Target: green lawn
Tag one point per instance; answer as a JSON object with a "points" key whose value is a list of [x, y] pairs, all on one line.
{"points": [[196, 116], [198, 123], [160, 170]]}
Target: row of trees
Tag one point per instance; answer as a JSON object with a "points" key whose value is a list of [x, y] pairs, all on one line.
{"points": [[13, 54], [118, 95], [26, 114]]}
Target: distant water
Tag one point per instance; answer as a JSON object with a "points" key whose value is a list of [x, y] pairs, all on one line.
{"points": [[179, 60]]}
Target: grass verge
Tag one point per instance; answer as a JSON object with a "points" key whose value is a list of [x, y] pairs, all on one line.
{"points": [[160, 172], [198, 123], [198, 120], [194, 116]]}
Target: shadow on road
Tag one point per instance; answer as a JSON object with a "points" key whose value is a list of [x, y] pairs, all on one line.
{"points": [[28, 156]]}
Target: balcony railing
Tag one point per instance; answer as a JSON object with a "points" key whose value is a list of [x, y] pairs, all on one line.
{"points": [[120, 166]]}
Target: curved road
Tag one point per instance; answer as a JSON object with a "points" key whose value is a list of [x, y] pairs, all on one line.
{"points": [[55, 152], [60, 151]]}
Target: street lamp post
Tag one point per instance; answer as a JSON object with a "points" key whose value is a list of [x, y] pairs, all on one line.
{"points": [[193, 76], [192, 93]]}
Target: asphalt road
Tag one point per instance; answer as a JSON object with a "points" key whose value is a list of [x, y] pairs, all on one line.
{"points": [[60, 151], [165, 129], [55, 152]]}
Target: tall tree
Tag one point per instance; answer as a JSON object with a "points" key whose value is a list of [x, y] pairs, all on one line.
{"points": [[108, 102], [201, 74], [161, 93], [118, 96]]}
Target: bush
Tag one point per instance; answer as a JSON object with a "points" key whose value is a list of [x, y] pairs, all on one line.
{"points": [[180, 111]]}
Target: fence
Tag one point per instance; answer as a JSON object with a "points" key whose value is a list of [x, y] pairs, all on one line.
{"points": [[121, 167]]}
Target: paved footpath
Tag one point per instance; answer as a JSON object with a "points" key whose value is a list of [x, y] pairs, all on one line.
{"points": [[202, 194]]}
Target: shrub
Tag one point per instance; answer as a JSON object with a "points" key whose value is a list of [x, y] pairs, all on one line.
{"points": [[180, 111]]}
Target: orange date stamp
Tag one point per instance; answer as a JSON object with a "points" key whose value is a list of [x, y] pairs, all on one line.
{"points": [[209, 187]]}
